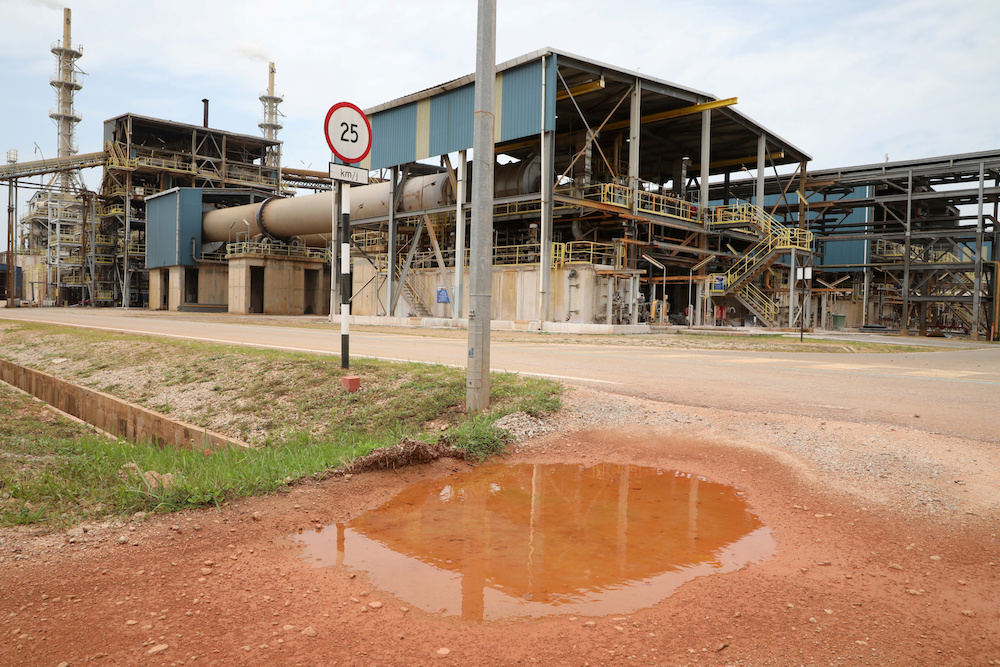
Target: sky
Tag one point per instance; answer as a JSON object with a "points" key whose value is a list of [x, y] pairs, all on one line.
{"points": [[849, 82]]}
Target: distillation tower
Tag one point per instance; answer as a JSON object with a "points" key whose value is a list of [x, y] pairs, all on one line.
{"points": [[58, 220], [270, 123]]}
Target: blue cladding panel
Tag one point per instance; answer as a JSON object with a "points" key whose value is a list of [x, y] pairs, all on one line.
{"points": [[452, 116], [847, 252], [521, 111], [190, 236], [394, 136], [172, 221]]}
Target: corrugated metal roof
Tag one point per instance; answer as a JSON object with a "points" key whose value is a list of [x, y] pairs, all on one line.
{"points": [[526, 58], [446, 126]]}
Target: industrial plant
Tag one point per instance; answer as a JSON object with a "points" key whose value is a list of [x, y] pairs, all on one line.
{"points": [[622, 202]]}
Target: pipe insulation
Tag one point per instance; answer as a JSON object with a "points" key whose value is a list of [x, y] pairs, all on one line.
{"points": [[311, 218]]}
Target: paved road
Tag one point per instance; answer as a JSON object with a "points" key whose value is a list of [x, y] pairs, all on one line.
{"points": [[956, 390]]}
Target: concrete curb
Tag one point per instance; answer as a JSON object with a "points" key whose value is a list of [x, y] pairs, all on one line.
{"points": [[111, 414]]}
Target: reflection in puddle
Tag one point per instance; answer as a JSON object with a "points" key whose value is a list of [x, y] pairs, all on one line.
{"points": [[538, 539]]}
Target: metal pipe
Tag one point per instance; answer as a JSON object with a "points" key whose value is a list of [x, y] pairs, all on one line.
{"points": [[204, 102], [311, 216]]}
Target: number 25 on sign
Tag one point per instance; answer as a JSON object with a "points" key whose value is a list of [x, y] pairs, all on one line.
{"points": [[348, 132]]}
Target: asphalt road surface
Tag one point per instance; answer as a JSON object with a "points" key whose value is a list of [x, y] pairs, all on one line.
{"points": [[955, 390]]}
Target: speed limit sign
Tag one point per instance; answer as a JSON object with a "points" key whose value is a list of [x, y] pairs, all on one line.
{"points": [[348, 132]]}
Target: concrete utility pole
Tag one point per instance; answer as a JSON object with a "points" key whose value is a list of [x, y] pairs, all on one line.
{"points": [[477, 394]]}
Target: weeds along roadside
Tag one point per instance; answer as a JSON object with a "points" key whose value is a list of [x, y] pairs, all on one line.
{"points": [[290, 406]]}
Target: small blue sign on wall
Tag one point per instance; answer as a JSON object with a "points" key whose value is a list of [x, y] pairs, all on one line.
{"points": [[443, 295]]}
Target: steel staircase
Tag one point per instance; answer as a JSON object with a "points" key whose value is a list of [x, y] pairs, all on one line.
{"points": [[775, 240], [410, 293]]}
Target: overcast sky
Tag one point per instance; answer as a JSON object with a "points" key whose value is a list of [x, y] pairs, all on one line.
{"points": [[846, 81]]}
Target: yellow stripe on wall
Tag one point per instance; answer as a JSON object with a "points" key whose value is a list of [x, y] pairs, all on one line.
{"points": [[497, 108], [423, 147]]}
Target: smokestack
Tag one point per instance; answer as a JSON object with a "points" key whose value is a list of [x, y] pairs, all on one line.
{"points": [[205, 102]]}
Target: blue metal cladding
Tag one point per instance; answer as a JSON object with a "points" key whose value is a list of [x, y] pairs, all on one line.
{"points": [[452, 116], [521, 107], [394, 136], [847, 252], [173, 225]]}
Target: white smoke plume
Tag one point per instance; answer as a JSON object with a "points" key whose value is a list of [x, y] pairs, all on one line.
{"points": [[252, 52], [51, 4]]}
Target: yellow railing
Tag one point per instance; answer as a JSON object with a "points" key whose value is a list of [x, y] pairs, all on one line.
{"points": [[583, 252], [107, 211], [275, 250], [164, 164], [245, 176], [517, 255], [366, 238], [764, 305], [653, 203]]}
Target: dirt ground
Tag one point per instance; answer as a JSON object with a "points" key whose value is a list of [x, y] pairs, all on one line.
{"points": [[887, 555]]}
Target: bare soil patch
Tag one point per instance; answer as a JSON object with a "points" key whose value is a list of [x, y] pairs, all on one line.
{"points": [[887, 555]]}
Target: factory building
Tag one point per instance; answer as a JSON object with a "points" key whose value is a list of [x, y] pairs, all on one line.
{"points": [[622, 202]]}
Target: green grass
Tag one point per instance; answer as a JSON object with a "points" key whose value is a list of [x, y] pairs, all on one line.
{"points": [[56, 472]]}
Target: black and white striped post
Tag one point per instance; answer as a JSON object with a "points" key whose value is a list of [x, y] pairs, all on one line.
{"points": [[344, 196]]}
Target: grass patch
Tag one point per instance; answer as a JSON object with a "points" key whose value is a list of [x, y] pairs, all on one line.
{"points": [[56, 472]]}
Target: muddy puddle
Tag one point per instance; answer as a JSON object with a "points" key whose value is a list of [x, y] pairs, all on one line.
{"points": [[530, 540]]}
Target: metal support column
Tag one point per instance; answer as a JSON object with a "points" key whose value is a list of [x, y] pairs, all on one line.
{"points": [[391, 283], [545, 263], [11, 246], [126, 277], [868, 269], [791, 291], [706, 158], [808, 259], [977, 284], [460, 179], [761, 170], [904, 327], [634, 130], [477, 394]]}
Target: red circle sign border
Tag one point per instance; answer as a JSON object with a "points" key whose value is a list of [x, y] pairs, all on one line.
{"points": [[326, 131]]}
